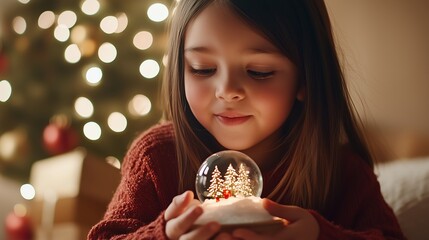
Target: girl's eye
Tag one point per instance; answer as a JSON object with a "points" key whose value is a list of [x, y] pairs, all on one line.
{"points": [[204, 72], [260, 75]]}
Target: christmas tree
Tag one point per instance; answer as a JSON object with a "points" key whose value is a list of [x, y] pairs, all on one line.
{"points": [[78, 73], [230, 185], [243, 186], [216, 185], [230, 182]]}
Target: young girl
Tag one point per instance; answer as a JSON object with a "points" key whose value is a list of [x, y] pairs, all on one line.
{"points": [[261, 77]]}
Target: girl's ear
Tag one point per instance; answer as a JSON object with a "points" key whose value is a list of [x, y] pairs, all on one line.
{"points": [[300, 95]]}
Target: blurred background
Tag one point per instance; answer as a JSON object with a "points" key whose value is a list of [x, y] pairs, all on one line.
{"points": [[79, 79]]}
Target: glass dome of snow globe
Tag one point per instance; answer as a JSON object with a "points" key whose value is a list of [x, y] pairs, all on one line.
{"points": [[227, 174]]}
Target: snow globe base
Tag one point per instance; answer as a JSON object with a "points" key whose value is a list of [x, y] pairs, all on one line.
{"points": [[267, 227], [239, 212]]}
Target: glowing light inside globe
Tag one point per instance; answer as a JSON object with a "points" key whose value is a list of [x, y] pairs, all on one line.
{"points": [[228, 174]]}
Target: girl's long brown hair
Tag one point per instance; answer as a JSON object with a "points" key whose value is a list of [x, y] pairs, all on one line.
{"points": [[316, 127]]}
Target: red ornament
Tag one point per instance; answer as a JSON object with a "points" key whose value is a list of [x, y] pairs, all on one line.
{"points": [[226, 193], [18, 227], [59, 138]]}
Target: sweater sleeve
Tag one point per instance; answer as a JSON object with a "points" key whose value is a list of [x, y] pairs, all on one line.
{"points": [[129, 229], [363, 204], [136, 210]]}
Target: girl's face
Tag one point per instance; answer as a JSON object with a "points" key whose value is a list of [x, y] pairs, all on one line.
{"points": [[237, 83]]}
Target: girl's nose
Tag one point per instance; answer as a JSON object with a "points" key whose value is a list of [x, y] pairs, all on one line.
{"points": [[230, 89]]}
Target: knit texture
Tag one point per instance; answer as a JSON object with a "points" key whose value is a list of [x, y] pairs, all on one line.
{"points": [[149, 183]]}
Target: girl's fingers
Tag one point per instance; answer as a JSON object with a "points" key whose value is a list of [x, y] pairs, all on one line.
{"points": [[181, 224], [194, 202], [245, 234], [302, 223], [286, 233], [205, 232], [178, 205], [290, 213], [224, 236]]}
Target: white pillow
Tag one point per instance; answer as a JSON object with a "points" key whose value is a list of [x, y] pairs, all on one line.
{"points": [[405, 187]]}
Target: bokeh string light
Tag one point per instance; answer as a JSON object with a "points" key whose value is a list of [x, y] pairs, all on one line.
{"points": [[67, 18], [27, 191], [72, 53], [107, 52], [90, 7], [5, 90], [149, 68], [84, 107], [46, 19], [157, 12], [122, 22], [19, 25], [92, 131], [117, 122], [143, 40], [24, 1], [140, 105]]}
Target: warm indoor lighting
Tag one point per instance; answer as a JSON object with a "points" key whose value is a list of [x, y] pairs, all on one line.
{"points": [[157, 12], [122, 22], [90, 7], [5, 90], [93, 75], [92, 131], [46, 19], [165, 60], [79, 34], [107, 52], [19, 25], [67, 18], [20, 210], [88, 47], [62, 33], [117, 122], [140, 105], [109, 24], [72, 54], [113, 161], [27, 191], [143, 40], [149, 68], [84, 107]]}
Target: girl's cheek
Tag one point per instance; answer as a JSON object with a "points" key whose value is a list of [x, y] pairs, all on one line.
{"points": [[196, 93]]}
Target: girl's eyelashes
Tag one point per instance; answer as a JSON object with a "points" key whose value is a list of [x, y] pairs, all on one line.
{"points": [[203, 72], [207, 72], [260, 75]]}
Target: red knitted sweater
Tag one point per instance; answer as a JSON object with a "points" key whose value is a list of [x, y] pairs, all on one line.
{"points": [[149, 183]]}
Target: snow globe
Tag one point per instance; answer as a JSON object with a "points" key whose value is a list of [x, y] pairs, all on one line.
{"points": [[229, 185]]}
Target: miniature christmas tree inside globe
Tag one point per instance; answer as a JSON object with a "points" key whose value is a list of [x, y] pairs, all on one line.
{"points": [[228, 174]]}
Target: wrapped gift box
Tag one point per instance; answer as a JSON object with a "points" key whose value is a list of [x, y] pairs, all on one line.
{"points": [[81, 210], [75, 174], [63, 231], [72, 193]]}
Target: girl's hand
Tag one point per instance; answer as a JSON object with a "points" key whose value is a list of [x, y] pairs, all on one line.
{"points": [[301, 224], [181, 215]]}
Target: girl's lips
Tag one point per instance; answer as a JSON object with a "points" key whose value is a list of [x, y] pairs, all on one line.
{"points": [[232, 120]]}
